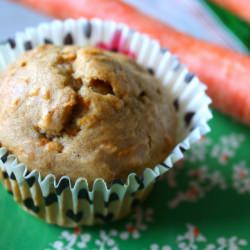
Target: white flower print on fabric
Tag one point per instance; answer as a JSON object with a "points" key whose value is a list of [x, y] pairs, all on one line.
{"points": [[199, 150], [200, 182], [76, 240], [106, 241], [191, 239], [138, 223], [68, 240], [226, 147], [156, 246], [233, 243], [83, 241], [241, 178], [131, 231]]}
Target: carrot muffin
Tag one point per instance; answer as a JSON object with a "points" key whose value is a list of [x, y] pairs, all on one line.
{"points": [[84, 112]]}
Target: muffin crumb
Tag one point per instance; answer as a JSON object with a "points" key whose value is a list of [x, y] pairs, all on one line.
{"points": [[46, 94], [16, 102], [23, 63], [34, 92], [54, 146]]}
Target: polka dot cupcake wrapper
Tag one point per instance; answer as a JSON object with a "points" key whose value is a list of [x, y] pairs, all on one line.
{"points": [[69, 204]]}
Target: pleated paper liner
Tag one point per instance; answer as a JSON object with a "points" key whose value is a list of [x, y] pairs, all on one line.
{"points": [[70, 204]]}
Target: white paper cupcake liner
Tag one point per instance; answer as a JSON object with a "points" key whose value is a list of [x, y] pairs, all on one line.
{"points": [[69, 204]]}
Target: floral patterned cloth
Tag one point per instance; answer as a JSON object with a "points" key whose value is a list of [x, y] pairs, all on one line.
{"points": [[203, 203]]}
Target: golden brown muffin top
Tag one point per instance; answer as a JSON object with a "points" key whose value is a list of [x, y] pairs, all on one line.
{"points": [[84, 112]]}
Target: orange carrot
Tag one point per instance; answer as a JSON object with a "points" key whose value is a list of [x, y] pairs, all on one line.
{"points": [[226, 73], [239, 7]]}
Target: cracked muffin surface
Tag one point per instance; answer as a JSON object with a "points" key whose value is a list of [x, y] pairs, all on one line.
{"points": [[84, 112]]}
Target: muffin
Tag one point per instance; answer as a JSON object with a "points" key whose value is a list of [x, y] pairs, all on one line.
{"points": [[84, 112], [85, 133]]}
